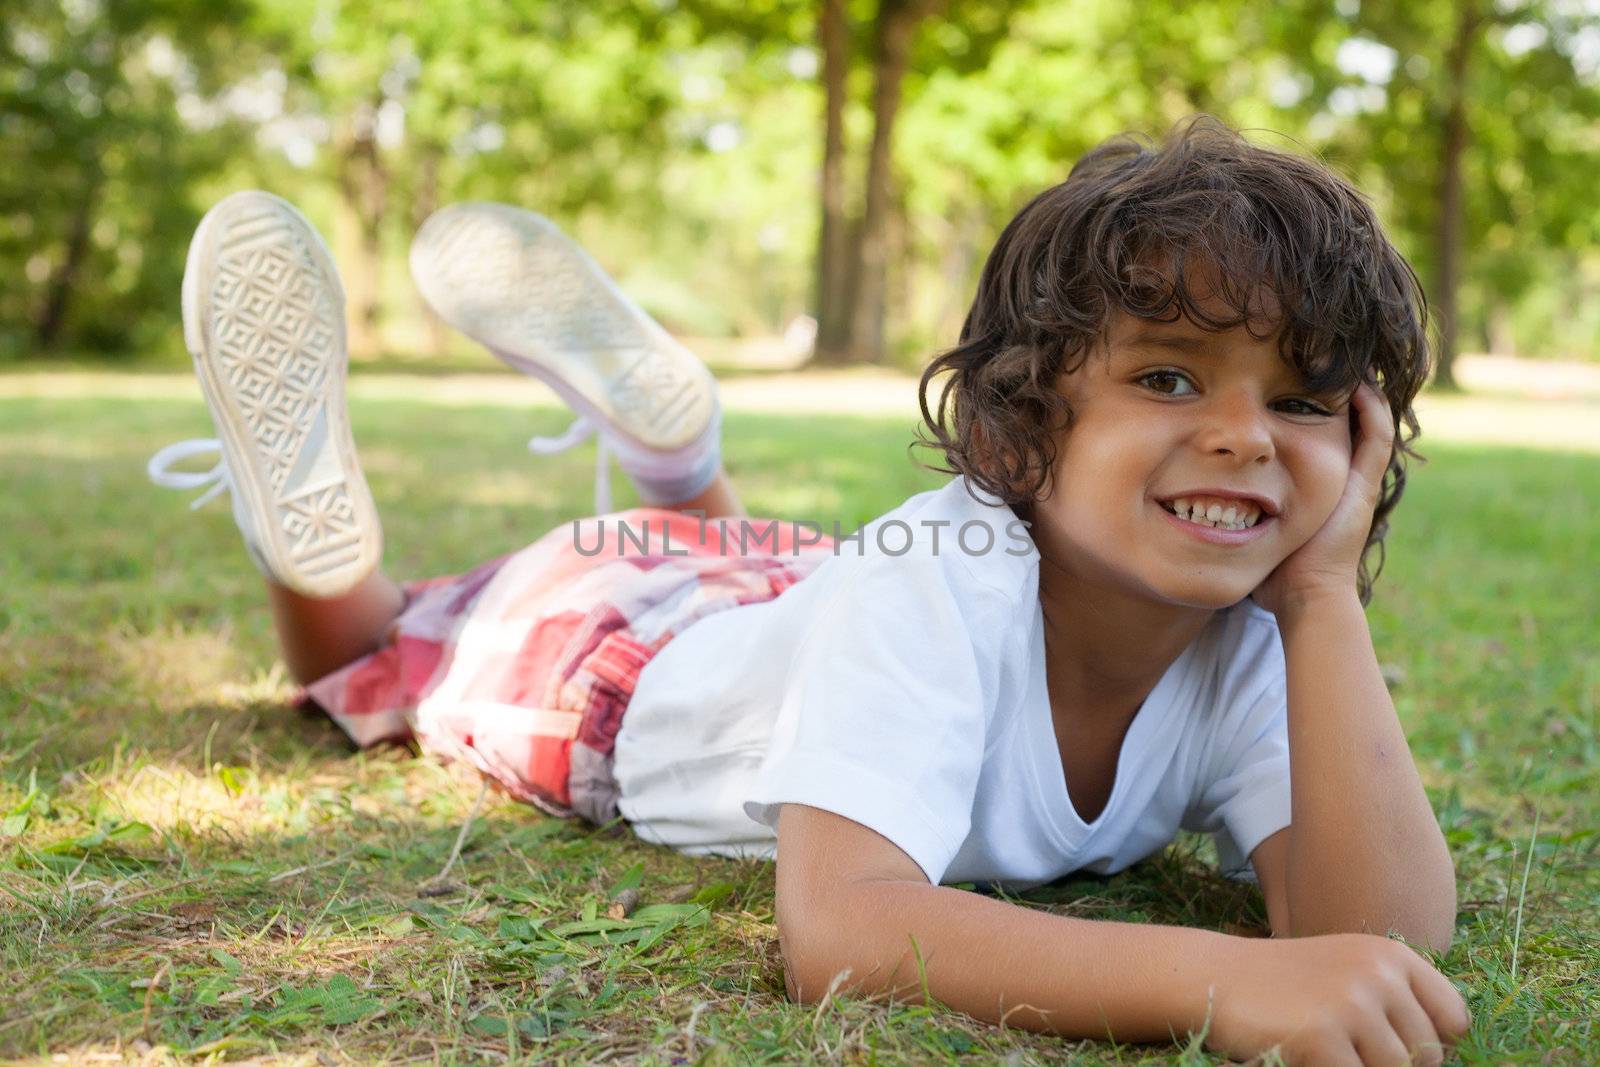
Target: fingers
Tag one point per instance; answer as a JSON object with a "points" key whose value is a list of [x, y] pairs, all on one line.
{"points": [[1336, 1054], [1375, 442], [1416, 1031], [1439, 999], [1379, 1046]]}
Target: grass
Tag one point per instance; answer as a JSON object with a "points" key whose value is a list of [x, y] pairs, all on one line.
{"points": [[190, 869]]}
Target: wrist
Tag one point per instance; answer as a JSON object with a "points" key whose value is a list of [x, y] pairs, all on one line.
{"points": [[1297, 605], [1198, 992]]}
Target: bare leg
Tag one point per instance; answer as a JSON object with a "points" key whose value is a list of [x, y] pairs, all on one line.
{"points": [[717, 500], [318, 635], [321, 634]]}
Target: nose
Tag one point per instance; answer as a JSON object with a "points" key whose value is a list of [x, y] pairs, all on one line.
{"points": [[1235, 424]]}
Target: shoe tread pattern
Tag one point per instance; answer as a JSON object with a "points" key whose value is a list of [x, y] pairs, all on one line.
{"points": [[513, 282], [275, 332]]}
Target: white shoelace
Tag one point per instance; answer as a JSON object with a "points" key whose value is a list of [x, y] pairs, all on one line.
{"points": [[580, 431], [217, 478], [159, 469]]}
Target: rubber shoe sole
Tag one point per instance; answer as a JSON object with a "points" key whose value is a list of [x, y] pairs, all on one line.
{"points": [[263, 317], [509, 279]]}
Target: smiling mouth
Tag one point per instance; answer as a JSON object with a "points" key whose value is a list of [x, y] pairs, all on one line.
{"points": [[1210, 511]]}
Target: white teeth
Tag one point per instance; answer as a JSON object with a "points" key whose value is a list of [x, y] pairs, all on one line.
{"points": [[1223, 515]]}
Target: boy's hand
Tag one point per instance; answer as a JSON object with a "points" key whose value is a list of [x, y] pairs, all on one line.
{"points": [[1344, 1000], [1328, 562]]}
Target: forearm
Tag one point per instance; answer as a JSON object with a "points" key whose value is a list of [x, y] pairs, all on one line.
{"points": [[994, 961], [1365, 851]]}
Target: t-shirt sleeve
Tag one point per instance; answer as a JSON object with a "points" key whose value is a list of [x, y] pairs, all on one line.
{"points": [[1242, 796], [884, 713]]}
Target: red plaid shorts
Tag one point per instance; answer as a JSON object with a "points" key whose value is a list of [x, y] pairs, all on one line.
{"points": [[524, 665]]}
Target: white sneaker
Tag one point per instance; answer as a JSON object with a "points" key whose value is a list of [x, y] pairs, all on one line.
{"points": [[509, 279], [263, 316]]}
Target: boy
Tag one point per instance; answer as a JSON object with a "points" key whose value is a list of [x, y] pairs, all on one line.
{"points": [[1191, 324], [1182, 376]]}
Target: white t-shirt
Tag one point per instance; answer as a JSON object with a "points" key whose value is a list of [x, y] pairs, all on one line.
{"points": [[902, 685]]}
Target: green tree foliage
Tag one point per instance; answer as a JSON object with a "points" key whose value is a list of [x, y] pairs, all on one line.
{"points": [[684, 143], [106, 123], [551, 104], [1519, 83], [1366, 86], [860, 251]]}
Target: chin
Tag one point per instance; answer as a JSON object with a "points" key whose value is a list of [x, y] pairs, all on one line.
{"points": [[1213, 595]]}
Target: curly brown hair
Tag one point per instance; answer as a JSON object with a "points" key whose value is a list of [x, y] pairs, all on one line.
{"points": [[1129, 230]]}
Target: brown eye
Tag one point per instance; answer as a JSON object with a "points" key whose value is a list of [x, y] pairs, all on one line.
{"points": [[1297, 406], [1168, 383]]}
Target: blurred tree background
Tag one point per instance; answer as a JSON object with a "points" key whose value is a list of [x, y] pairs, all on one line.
{"points": [[740, 164]]}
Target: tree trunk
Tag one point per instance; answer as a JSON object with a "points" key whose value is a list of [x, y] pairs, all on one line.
{"points": [[1451, 211], [834, 309], [894, 30], [900, 285], [52, 315], [961, 252], [363, 189], [436, 335], [1499, 338]]}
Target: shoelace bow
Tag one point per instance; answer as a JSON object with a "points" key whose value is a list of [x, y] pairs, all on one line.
{"points": [[160, 469], [580, 431], [218, 479]]}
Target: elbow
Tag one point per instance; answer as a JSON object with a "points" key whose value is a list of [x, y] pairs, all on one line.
{"points": [[823, 938], [1435, 934], [1430, 921], [1430, 934], [1430, 929], [829, 950], [797, 971], [805, 989], [1420, 910], [1432, 925], [810, 962], [810, 973]]}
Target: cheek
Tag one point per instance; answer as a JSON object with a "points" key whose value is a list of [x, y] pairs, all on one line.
{"points": [[1102, 474], [1321, 469]]}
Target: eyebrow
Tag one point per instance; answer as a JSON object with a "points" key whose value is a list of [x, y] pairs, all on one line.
{"points": [[1183, 342]]}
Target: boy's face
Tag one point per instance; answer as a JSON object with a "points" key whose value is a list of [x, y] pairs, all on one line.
{"points": [[1170, 418]]}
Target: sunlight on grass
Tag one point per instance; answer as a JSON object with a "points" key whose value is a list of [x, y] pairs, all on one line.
{"points": [[1497, 409], [180, 661], [1560, 425], [507, 490], [190, 868]]}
